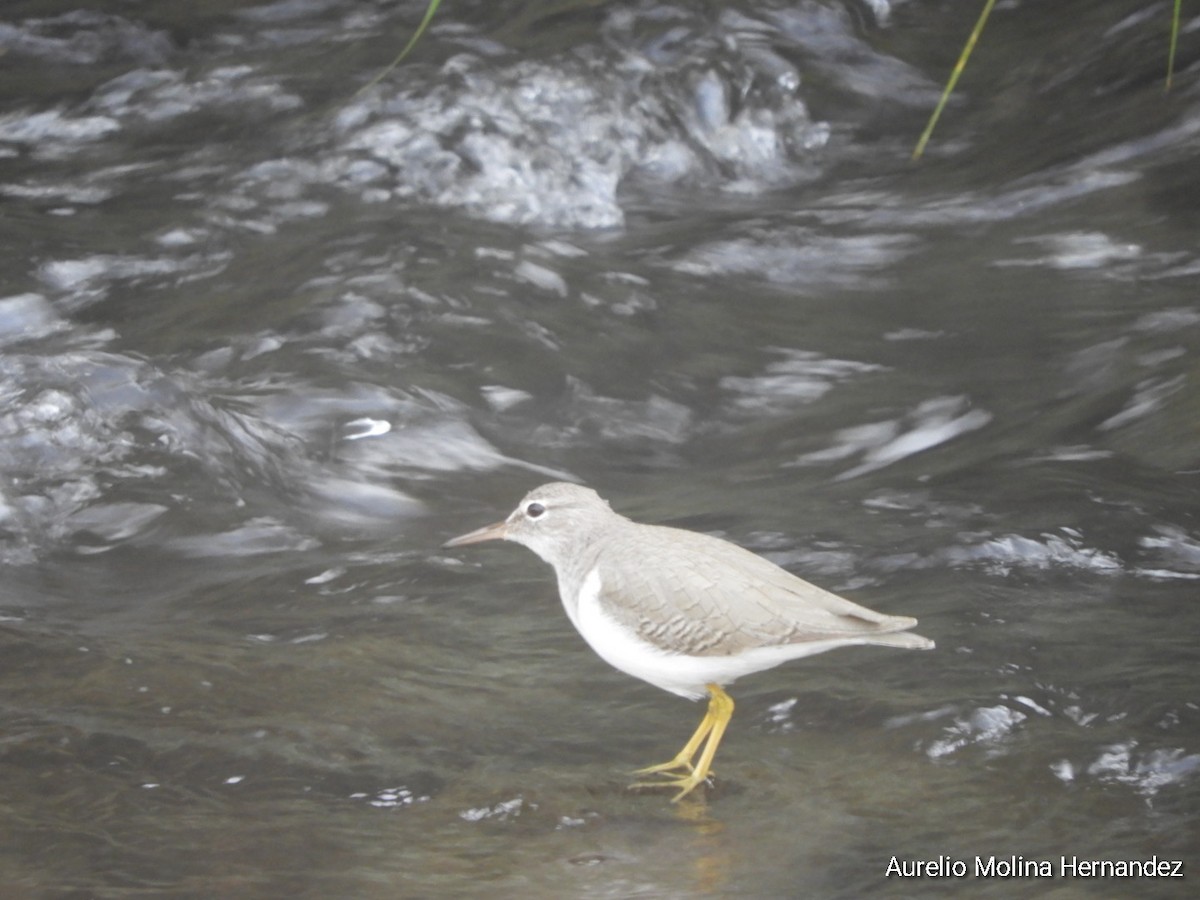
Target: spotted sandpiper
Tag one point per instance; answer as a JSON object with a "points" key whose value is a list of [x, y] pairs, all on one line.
{"points": [[687, 612]]}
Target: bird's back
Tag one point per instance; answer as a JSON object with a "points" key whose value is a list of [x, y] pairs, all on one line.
{"points": [[701, 595]]}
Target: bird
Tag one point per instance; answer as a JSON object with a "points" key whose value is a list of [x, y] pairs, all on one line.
{"points": [[684, 611]]}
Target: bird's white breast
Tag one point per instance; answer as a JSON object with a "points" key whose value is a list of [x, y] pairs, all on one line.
{"points": [[622, 648]]}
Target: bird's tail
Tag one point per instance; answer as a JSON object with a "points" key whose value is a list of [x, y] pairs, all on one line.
{"points": [[904, 639]]}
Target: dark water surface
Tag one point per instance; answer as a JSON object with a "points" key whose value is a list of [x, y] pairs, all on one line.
{"points": [[265, 344]]}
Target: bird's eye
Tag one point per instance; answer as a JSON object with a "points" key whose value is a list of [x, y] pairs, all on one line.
{"points": [[533, 510]]}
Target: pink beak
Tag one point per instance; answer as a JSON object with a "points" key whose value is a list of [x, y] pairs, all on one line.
{"points": [[495, 532]]}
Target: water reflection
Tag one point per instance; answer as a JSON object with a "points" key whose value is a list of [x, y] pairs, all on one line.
{"points": [[712, 857]]}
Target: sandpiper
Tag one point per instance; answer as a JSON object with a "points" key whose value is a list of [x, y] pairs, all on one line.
{"points": [[687, 612]]}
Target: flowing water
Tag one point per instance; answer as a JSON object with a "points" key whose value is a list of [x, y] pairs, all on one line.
{"points": [[266, 343]]}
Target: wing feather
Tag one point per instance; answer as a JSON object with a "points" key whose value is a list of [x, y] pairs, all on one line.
{"points": [[684, 590]]}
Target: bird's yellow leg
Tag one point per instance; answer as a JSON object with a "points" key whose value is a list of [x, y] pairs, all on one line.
{"points": [[721, 709], [683, 759], [712, 727]]}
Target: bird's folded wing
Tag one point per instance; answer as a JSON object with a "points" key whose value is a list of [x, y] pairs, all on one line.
{"points": [[682, 590]]}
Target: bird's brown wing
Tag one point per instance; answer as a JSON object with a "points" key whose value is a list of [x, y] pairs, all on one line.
{"points": [[682, 590]]}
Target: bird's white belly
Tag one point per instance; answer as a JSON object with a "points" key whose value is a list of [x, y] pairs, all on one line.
{"points": [[675, 672]]}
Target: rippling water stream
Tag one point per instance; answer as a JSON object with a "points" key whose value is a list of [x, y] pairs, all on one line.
{"points": [[266, 343]]}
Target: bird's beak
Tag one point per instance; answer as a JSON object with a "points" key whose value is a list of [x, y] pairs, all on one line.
{"points": [[493, 532]]}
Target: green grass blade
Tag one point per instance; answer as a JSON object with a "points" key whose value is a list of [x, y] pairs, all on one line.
{"points": [[1174, 42], [958, 70], [430, 11]]}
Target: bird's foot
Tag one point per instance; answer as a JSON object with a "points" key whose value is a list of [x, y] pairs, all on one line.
{"points": [[686, 783], [680, 762], [677, 773]]}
